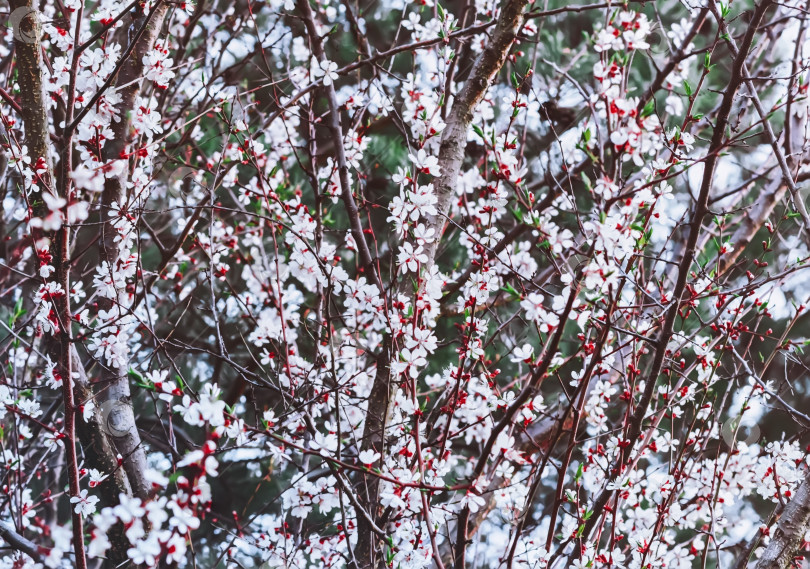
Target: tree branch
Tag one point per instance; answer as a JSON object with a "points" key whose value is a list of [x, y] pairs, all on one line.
{"points": [[18, 542], [129, 76], [790, 530], [684, 267], [451, 157]]}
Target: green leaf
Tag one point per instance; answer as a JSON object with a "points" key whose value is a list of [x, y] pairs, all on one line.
{"points": [[587, 181], [135, 374], [510, 290], [18, 311]]}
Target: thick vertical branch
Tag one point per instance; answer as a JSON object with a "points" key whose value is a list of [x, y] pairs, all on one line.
{"points": [[451, 157], [28, 55], [718, 141], [454, 136], [790, 531], [781, 158], [28, 50], [346, 194], [95, 445], [774, 192], [115, 381]]}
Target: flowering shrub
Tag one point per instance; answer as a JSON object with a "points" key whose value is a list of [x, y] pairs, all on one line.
{"points": [[469, 284]]}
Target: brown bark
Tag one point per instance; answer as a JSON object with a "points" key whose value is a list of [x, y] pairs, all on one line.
{"points": [[28, 48], [18, 542], [774, 192], [115, 395], [790, 531], [684, 267], [452, 151], [346, 193], [94, 436], [28, 59]]}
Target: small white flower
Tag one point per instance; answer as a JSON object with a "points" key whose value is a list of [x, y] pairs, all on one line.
{"points": [[368, 457], [85, 505], [324, 69], [96, 477], [54, 441]]}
